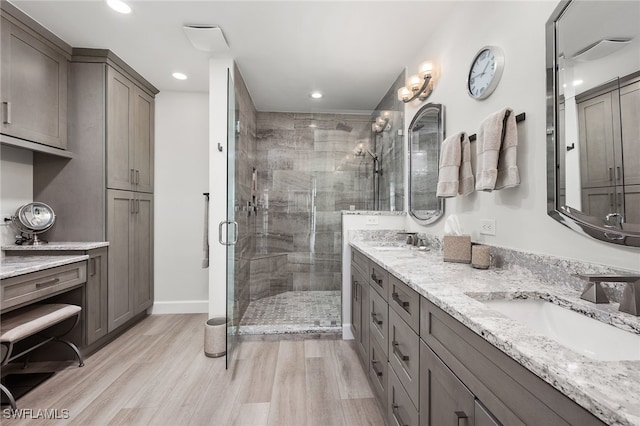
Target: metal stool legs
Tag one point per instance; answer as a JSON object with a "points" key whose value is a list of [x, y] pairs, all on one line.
{"points": [[12, 400], [74, 348]]}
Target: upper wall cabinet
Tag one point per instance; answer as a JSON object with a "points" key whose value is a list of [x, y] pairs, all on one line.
{"points": [[130, 114], [34, 85]]}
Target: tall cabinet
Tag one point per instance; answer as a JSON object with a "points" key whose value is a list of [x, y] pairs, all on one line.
{"points": [[106, 191]]}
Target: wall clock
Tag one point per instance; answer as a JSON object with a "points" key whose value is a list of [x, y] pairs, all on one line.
{"points": [[485, 72]]}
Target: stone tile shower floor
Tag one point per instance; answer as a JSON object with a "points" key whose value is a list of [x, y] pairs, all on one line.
{"points": [[294, 312]]}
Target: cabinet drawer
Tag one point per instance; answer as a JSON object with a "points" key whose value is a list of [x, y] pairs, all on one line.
{"points": [[400, 409], [37, 285], [405, 301], [379, 279], [379, 320], [378, 368], [404, 354], [360, 261]]}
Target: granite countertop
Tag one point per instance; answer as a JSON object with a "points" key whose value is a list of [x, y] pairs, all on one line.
{"points": [[608, 389], [66, 245], [13, 266]]}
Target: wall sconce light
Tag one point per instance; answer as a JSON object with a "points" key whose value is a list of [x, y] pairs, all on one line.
{"points": [[419, 86]]}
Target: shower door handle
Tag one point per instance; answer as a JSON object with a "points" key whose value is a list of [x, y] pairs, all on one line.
{"points": [[235, 233]]}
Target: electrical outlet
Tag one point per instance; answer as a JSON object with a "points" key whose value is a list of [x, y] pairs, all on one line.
{"points": [[488, 226], [372, 221]]}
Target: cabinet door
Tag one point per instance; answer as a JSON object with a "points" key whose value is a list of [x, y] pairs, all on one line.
{"points": [[444, 399], [597, 162], [629, 113], [356, 304], [120, 153], [143, 140], [97, 295], [365, 313], [632, 203], [142, 254], [120, 209], [34, 88], [599, 202]]}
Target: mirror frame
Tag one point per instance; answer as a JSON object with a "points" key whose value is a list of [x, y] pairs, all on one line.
{"points": [[437, 214], [568, 216]]}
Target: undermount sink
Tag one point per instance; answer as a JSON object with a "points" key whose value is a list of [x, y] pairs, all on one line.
{"points": [[573, 330], [389, 248]]}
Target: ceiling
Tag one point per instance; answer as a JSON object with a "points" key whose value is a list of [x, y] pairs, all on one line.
{"points": [[351, 51]]}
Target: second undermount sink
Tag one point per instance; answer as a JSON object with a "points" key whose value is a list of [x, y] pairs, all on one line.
{"points": [[587, 336]]}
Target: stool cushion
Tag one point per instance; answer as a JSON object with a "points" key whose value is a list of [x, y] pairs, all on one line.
{"points": [[29, 321]]}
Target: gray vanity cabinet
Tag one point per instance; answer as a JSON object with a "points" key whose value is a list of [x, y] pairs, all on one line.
{"points": [[360, 311], [444, 399], [130, 234], [33, 83], [97, 291], [130, 124]]}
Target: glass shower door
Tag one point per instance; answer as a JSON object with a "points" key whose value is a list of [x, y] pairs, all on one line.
{"points": [[231, 224]]}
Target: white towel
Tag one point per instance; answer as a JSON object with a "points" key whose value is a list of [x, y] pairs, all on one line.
{"points": [[448, 173], [466, 181], [497, 138], [205, 239]]}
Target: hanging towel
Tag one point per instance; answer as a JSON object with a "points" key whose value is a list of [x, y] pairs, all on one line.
{"points": [[448, 173], [205, 240], [508, 175], [466, 185], [498, 127]]}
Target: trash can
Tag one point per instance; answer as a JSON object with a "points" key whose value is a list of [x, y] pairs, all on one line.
{"points": [[215, 337]]}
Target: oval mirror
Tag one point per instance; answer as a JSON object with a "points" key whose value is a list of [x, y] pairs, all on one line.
{"points": [[593, 111], [426, 133]]}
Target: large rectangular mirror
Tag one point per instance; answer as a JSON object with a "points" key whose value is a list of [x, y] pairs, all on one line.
{"points": [[593, 114]]}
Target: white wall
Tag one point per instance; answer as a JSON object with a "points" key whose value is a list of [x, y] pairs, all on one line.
{"points": [[521, 213], [181, 176], [218, 69], [16, 186]]}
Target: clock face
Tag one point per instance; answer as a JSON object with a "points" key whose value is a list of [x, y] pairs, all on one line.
{"points": [[485, 72]]}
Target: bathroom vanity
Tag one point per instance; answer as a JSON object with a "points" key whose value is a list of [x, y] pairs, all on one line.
{"points": [[436, 350]]}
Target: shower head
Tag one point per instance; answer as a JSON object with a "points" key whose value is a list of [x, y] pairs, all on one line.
{"points": [[344, 127]]}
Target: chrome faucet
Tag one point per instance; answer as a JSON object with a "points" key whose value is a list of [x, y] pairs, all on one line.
{"points": [[619, 220], [594, 292], [412, 237]]}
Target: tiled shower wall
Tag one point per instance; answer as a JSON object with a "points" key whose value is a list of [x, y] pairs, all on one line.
{"points": [[307, 174], [389, 147], [245, 162]]}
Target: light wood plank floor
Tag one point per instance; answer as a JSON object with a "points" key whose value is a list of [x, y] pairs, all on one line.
{"points": [[157, 374]]}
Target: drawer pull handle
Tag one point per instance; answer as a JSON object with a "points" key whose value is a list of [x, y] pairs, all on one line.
{"points": [[93, 266], [405, 305], [374, 277], [375, 319], [48, 283], [7, 112], [132, 176], [396, 350], [396, 414], [375, 370], [461, 415]]}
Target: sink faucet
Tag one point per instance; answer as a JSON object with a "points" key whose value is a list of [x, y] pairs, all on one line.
{"points": [[594, 292], [412, 237]]}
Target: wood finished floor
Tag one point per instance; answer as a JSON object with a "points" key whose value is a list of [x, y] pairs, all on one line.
{"points": [[157, 374]]}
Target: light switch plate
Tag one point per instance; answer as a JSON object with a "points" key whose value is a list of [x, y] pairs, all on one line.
{"points": [[372, 221], [488, 226]]}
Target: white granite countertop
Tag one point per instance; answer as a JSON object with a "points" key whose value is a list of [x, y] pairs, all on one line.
{"points": [[13, 266], [66, 245], [608, 389]]}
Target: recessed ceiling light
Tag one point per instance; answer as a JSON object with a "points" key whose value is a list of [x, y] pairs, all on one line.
{"points": [[316, 95], [179, 76], [119, 6]]}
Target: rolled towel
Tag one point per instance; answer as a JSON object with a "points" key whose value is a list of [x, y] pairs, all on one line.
{"points": [[488, 144], [448, 173], [508, 174], [466, 184]]}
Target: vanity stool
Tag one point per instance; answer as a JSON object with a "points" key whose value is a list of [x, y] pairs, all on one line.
{"points": [[29, 328]]}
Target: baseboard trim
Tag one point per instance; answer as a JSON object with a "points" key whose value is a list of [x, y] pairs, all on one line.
{"points": [[346, 332], [180, 307]]}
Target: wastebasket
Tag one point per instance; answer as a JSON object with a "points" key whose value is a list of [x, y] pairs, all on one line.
{"points": [[215, 337]]}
